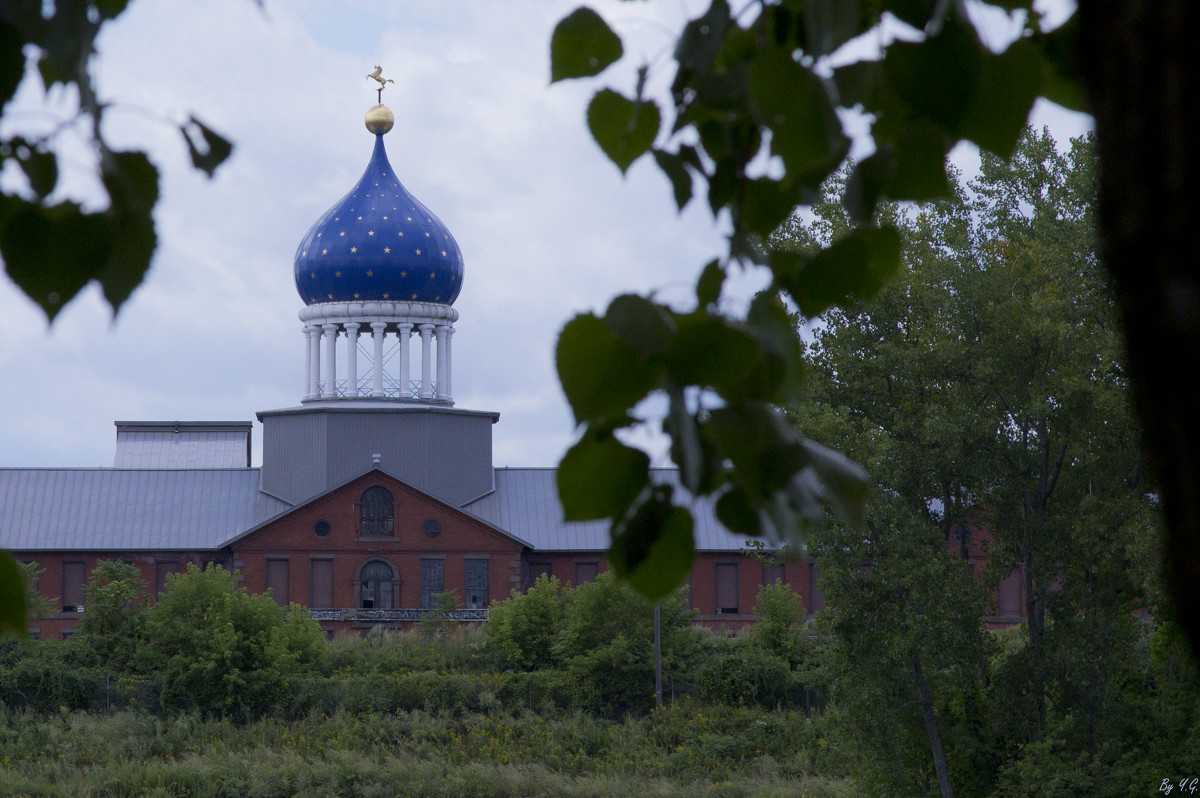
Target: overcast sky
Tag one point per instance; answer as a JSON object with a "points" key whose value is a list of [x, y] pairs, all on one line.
{"points": [[547, 226]]}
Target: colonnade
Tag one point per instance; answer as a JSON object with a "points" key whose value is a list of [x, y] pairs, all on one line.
{"points": [[323, 380]]}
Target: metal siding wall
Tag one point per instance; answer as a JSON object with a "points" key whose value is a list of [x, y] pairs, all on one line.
{"points": [[294, 455]]}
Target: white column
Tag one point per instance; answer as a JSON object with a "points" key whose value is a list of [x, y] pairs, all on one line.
{"points": [[405, 332], [447, 392], [312, 382], [330, 361], [441, 360], [352, 358], [377, 330], [426, 365]]}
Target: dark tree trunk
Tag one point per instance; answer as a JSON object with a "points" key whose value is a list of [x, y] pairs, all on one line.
{"points": [[1141, 71], [931, 731]]}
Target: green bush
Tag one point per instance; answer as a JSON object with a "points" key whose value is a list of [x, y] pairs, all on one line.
{"points": [[219, 650], [521, 630]]}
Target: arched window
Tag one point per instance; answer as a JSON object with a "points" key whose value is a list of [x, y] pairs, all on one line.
{"points": [[376, 585], [376, 512]]}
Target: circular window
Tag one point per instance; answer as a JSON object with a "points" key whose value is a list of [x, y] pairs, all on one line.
{"points": [[431, 528], [322, 528]]}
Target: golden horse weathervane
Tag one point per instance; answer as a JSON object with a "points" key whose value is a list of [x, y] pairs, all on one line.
{"points": [[383, 82]]}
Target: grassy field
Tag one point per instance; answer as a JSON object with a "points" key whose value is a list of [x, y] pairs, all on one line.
{"points": [[683, 750]]}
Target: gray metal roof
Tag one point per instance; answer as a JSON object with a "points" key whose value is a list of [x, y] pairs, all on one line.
{"points": [[128, 509], [525, 502]]}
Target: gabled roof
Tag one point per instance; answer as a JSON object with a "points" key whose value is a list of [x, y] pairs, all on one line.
{"points": [[526, 503], [380, 469], [104, 509]]}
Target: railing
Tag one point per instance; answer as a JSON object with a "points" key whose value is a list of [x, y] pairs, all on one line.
{"points": [[397, 616]]}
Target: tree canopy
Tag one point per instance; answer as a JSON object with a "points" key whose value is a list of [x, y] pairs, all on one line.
{"points": [[759, 97]]}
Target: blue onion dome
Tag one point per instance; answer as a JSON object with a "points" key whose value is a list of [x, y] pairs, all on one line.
{"points": [[378, 243]]}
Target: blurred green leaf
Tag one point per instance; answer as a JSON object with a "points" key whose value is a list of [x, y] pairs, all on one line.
{"points": [[854, 267], [642, 324], [12, 61], [51, 253], [625, 129], [674, 166], [208, 148], [735, 510], [708, 287], [599, 477], [709, 350], [582, 45], [655, 548], [12, 596], [602, 376], [1008, 85], [937, 79]]}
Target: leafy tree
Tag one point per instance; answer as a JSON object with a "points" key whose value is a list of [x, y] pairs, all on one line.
{"points": [[521, 629], [221, 650], [764, 81], [114, 625], [985, 387]]}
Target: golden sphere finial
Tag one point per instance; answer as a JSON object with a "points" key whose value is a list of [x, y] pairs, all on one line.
{"points": [[379, 119]]}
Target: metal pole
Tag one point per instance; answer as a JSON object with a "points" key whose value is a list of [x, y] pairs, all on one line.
{"points": [[657, 657]]}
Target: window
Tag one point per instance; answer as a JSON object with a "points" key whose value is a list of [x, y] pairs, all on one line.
{"points": [[376, 586], [320, 584], [74, 573], [161, 570], [432, 582], [1008, 595], [277, 580], [322, 529], [376, 512], [816, 599], [431, 528], [477, 583], [586, 572], [727, 588], [773, 574], [538, 568]]}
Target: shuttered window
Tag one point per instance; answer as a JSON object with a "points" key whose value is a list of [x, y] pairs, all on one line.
{"points": [[73, 575], [586, 572], [1008, 595], [376, 512], [277, 581], [161, 570], [536, 569], [477, 583], [727, 588], [320, 584], [432, 582], [773, 574]]}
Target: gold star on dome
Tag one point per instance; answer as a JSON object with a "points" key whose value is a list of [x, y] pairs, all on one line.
{"points": [[401, 234], [356, 295], [414, 296], [438, 297], [385, 296], [410, 218], [370, 273], [312, 275], [337, 218], [353, 250], [452, 277], [431, 275], [403, 274], [427, 235], [324, 252], [360, 218], [337, 274], [304, 253], [418, 252], [342, 234], [330, 296], [387, 250], [443, 253], [370, 232], [385, 218]]}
